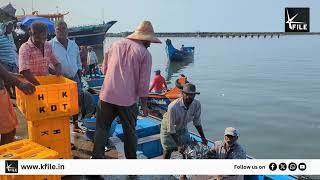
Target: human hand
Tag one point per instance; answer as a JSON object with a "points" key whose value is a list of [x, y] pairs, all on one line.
{"points": [[58, 72], [204, 141], [181, 149], [26, 87]]}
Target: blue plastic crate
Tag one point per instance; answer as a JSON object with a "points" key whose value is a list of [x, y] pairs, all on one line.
{"points": [[145, 127], [95, 82], [151, 149], [90, 124]]}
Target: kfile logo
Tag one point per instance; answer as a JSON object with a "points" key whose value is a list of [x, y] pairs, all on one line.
{"points": [[297, 20], [11, 166]]}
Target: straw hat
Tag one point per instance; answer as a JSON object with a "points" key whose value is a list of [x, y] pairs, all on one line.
{"points": [[144, 32]]}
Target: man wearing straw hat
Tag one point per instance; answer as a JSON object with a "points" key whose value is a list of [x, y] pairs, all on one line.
{"points": [[127, 68]]}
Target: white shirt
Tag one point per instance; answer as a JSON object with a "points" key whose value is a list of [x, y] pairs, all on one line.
{"points": [[92, 58], [19, 31], [69, 58], [178, 116]]}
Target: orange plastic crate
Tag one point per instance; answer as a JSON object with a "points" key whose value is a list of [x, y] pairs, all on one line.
{"points": [[63, 147], [26, 149], [56, 96], [48, 130]]}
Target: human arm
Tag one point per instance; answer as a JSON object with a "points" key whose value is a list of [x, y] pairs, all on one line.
{"points": [[57, 68], [13, 79], [165, 83], [212, 153], [144, 80], [30, 77], [79, 65], [197, 122], [152, 85], [105, 63], [200, 131]]}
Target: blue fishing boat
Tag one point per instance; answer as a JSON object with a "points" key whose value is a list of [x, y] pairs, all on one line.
{"points": [[149, 145], [185, 53]]}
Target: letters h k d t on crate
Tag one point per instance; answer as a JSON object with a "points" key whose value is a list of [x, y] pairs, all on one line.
{"points": [[56, 96], [48, 110]]}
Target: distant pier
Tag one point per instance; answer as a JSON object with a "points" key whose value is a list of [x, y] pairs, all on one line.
{"points": [[220, 34]]}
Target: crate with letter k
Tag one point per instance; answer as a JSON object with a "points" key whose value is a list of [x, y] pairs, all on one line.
{"points": [[48, 111]]}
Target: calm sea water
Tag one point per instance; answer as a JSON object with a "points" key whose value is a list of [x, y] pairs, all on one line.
{"points": [[269, 89]]}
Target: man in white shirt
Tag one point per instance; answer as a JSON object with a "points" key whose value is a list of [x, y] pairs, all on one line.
{"points": [[92, 60], [67, 52], [19, 30]]}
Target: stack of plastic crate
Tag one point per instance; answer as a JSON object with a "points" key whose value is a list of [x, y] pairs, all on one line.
{"points": [[26, 149], [48, 111]]}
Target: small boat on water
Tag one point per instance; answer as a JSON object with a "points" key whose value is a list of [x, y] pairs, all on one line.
{"points": [[185, 53], [158, 103]]}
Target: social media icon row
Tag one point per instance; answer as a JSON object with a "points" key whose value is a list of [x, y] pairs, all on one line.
{"points": [[291, 166]]}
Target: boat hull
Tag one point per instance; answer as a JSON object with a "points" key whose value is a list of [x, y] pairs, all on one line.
{"points": [[173, 54], [90, 35]]}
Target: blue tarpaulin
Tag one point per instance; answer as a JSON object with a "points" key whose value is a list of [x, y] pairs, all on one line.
{"points": [[28, 20]]}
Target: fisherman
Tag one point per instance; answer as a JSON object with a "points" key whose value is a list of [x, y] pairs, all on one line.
{"points": [[174, 133], [127, 68], [182, 47], [11, 35], [92, 61], [68, 54], [182, 80], [229, 147], [158, 84], [8, 119], [8, 60], [36, 54], [19, 31]]}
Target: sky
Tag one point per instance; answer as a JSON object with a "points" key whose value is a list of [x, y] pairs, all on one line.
{"points": [[176, 15]]}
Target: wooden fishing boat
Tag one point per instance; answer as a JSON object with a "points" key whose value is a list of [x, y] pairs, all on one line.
{"points": [[173, 54]]}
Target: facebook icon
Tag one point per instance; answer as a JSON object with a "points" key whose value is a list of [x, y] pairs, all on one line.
{"points": [[273, 166]]}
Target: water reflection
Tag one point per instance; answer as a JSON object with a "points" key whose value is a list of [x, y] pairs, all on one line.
{"points": [[174, 68]]}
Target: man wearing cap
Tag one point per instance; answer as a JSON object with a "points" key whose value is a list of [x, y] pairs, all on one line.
{"points": [[174, 133], [127, 68], [11, 35], [158, 84], [229, 147]]}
